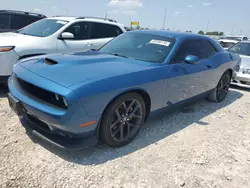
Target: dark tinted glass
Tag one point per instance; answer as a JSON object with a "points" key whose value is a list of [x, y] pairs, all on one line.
{"points": [[140, 46], [241, 48], [80, 30], [200, 48], [43, 28], [100, 30], [20, 21], [4, 21]]}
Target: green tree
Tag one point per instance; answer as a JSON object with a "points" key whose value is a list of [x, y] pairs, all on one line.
{"points": [[201, 32]]}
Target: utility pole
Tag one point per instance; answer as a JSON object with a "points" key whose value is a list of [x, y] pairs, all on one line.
{"points": [[106, 16], [67, 11], [207, 26], [164, 20], [240, 32]]}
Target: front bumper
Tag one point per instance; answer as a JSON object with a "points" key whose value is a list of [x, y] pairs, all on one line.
{"points": [[58, 138], [241, 80], [7, 61], [62, 125]]}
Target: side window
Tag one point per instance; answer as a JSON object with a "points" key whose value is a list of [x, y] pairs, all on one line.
{"points": [[100, 30], [80, 30], [4, 21], [200, 48], [245, 38], [206, 50]]}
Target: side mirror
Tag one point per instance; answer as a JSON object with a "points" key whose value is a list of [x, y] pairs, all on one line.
{"points": [[66, 35], [191, 59]]}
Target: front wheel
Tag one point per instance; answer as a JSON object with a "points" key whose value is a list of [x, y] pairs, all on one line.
{"points": [[122, 120], [221, 91]]}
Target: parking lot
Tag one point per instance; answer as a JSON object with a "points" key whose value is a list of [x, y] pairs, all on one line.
{"points": [[204, 145]]}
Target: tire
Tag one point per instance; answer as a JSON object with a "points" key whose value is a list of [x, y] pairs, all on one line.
{"points": [[122, 119], [221, 91]]}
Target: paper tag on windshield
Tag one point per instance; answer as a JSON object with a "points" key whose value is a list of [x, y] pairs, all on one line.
{"points": [[61, 22], [160, 42]]}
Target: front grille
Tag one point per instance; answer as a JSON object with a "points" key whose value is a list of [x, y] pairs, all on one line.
{"points": [[39, 93]]}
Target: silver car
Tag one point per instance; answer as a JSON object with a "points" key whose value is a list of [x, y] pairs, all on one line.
{"points": [[242, 77]]}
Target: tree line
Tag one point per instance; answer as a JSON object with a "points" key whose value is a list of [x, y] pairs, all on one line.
{"points": [[217, 33]]}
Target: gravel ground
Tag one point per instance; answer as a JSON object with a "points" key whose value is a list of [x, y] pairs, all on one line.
{"points": [[205, 145]]}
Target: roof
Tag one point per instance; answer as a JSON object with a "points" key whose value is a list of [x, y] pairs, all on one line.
{"points": [[22, 12], [94, 19], [171, 34]]}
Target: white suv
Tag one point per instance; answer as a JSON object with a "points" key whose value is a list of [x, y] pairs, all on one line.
{"points": [[55, 35]]}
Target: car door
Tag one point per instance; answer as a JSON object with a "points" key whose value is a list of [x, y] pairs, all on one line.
{"points": [[189, 80], [101, 33], [80, 42]]}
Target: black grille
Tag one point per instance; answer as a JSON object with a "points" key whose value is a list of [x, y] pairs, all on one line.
{"points": [[41, 94]]}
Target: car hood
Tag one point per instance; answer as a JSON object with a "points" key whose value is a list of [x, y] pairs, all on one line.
{"points": [[15, 39], [70, 69], [245, 61]]}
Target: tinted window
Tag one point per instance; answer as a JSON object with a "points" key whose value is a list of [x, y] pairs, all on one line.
{"points": [[245, 38], [100, 30], [140, 46], [43, 28], [241, 48], [20, 21], [80, 30], [200, 48], [4, 21]]}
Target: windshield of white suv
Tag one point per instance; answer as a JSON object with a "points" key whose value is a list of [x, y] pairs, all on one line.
{"points": [[241, 48], [140, 46], [42, 28]]}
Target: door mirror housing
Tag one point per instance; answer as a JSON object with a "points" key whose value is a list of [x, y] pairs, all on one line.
{"points": [[191, 59], [66, 35]]}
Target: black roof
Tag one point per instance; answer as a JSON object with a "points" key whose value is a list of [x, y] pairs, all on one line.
{"points": [[22, 12]]}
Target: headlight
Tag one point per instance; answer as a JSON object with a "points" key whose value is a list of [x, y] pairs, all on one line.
{"points": [[6, 48], [246, 71], [61, 101]]}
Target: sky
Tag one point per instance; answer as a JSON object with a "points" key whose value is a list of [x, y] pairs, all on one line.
{"points": [[228, 16]]}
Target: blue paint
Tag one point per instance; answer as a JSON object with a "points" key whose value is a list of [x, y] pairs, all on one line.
{"points": [[89, 81]]}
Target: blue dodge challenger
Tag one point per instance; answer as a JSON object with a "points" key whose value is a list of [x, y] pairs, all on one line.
{"points": [[74, 100]]}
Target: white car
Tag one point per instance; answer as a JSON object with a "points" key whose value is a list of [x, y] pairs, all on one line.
{"points": [[242, 77], [228, 41], [55, 35]]}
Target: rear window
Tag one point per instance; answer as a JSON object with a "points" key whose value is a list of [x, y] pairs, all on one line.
{"points": [[100, 30], [4, 21]]}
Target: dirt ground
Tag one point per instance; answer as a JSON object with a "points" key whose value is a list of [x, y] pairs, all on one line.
{"points": [[206, 145]]}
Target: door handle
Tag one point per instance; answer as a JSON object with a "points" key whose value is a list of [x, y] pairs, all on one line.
{"points": [[88, 44], [209, 66]]}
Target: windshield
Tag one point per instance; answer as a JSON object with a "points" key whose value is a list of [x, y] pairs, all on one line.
{"points": [[43, 28], [140, 46], [241, 48], [234, 38]]}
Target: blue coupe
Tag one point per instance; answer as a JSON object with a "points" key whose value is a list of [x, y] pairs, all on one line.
{"points": [[75, 100]]}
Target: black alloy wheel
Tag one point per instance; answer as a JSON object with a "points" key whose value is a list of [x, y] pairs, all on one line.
{"points": [[123, 119]]}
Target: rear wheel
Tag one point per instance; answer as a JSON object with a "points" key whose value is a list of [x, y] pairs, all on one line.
{"points": [[122, 120], [221, 91]]}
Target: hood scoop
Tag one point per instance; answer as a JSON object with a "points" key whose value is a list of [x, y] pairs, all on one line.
{"points": [[50, 61]]}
